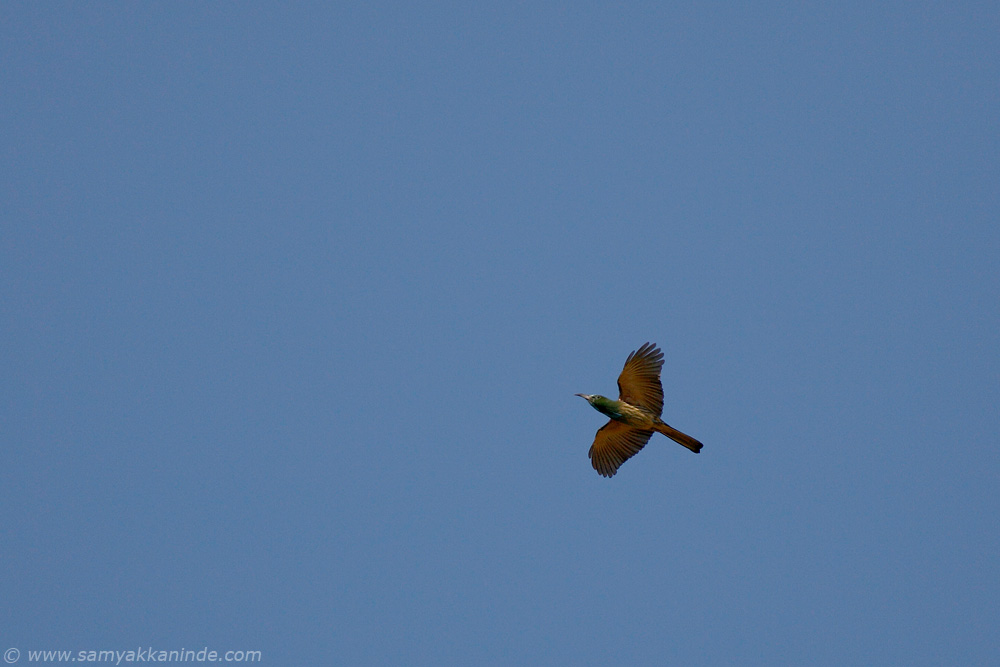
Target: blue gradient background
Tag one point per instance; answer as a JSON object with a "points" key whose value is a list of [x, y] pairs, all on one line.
{"points": [[295, 299]]}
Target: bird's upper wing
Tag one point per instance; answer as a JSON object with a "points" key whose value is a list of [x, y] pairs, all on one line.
{"points": [[639, 383], [616, 443]]}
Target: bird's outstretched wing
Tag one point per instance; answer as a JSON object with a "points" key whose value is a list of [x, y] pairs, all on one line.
{"points": [[615, 444], [639, 383]]}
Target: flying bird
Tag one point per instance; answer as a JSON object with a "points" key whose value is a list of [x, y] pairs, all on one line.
{"points": [[635, 415]]}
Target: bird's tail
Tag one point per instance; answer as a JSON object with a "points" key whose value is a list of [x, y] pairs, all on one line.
{"points": [[677, 436]]}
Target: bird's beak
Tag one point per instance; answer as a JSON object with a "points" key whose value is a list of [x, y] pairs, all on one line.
{"points": [[583, 396]]}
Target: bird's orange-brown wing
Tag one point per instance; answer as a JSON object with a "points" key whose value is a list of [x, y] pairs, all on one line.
{"points": [[639, 383], [615, 444]]}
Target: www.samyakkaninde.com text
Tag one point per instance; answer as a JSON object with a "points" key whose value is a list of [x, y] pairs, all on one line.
{"points": [[142, 654]]}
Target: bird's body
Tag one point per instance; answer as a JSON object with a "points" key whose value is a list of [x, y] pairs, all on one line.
{"points": [[635, 416]]}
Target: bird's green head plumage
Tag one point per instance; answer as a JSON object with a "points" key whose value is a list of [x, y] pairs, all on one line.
{"points": [[604, 405], [595, 399]]}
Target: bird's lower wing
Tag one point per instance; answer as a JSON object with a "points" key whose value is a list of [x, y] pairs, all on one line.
{"points": [[615, 444]]}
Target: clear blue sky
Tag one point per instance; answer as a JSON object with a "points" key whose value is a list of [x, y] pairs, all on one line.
{"points": [[295, 299]]}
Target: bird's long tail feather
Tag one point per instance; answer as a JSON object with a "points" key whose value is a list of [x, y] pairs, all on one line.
{"points": [[678, 437]]}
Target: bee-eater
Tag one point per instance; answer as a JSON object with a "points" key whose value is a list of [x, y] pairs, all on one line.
{"points": [[635, 415]]}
